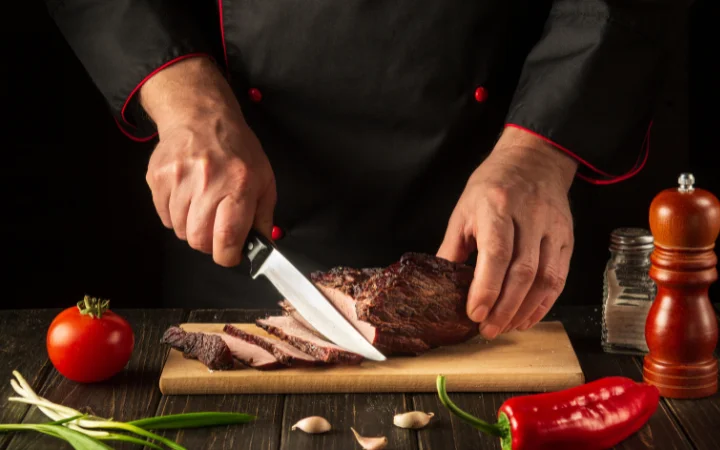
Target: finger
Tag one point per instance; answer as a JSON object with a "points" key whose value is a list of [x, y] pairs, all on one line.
{"points": [[455, 245], [518, 279], [200, 222], [495, 244], [538, 314], [265, 211], [549, 301], [179, 206], [233, 220], [160, 198], [548, 281]]}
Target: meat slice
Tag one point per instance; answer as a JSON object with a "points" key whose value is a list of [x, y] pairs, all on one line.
{"points": [[281, 350], [289, 330], [251, 354], [219, 351], [211, 350], [409, 307], [289, 310]]}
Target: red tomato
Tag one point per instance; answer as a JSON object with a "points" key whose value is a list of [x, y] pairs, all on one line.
{"points": [[89, 343]]}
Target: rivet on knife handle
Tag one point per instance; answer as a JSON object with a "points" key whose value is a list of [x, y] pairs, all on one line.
{"points": [[257, 249]]}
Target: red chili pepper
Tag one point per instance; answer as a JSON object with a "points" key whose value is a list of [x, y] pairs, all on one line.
{"points": [[593, 416]]}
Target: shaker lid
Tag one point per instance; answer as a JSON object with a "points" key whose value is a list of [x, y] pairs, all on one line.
{"points": [[631, 238]]}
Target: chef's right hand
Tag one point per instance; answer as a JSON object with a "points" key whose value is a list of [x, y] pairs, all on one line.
{"points": [[210, 179]]}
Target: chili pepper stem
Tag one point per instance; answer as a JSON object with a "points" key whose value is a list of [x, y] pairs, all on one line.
{"points": [[501, 429], [94, 307]]}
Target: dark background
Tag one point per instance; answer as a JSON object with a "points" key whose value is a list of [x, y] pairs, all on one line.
{"points": [[77, 216]]}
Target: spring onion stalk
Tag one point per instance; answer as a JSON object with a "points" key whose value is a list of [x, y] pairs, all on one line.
{"points": [[67, 423], [111, 437], [52, 410], [78, 440], [192, 420]]}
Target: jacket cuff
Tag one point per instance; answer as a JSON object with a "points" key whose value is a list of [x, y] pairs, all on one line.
{"points": [[132, 119], [590, 85], [587, 171]]}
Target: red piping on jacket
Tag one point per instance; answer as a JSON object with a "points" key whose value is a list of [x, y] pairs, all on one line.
{"points": [[130, 136], [144, 80], [639, 164], [137, 88], [222, 35]]}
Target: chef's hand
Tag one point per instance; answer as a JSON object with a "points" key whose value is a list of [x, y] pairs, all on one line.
{"points": [[515, 212], [209, 177]]}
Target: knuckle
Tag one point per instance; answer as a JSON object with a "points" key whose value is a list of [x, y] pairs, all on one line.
{"points": [[564, 222], [173, 171], [499, 197], [499, 250], [524, 272], [239, 172], [204, 168], [502, 315], [226, 236], [240, 178], [551, 281], [199, 240]]}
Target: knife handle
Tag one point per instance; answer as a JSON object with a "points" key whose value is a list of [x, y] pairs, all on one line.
{"points": [[257, 248]]}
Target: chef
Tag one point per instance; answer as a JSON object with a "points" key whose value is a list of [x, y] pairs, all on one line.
{"points": [[354, 131]]}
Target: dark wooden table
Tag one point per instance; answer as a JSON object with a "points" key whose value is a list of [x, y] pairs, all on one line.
{"points": [[134, 393]]}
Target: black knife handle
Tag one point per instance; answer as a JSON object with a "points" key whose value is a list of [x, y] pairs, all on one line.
{"points": [[257, 249]]}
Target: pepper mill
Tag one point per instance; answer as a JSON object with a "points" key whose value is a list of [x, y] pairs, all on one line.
{"points": [[681, 328]]}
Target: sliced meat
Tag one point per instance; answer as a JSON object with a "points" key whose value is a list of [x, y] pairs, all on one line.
{"points": [[210, 350], [289, 330], [289, 310], [409, 307], [251, 354], [281, 350]]}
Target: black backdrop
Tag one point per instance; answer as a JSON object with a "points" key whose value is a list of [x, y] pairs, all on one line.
{"points": [[78, 217]]}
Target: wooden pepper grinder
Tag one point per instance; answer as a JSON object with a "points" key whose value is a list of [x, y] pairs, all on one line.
{"points": [[681, 329]]}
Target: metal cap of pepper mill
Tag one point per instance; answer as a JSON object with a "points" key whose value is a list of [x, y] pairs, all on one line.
{"points": [[631, 239]]}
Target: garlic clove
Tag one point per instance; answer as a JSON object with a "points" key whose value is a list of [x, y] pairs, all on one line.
{"points": [[313, 425], [412, 419], [370, 443]]}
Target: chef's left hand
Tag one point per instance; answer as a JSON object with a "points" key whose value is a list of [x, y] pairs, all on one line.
{"points": [[515, 212]]}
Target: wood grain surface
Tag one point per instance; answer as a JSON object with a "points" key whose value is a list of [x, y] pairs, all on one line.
{"points": [[540, 359], [677, 424]]}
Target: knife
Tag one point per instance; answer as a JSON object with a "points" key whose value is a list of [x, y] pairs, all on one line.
{"points": [[266, 260]]}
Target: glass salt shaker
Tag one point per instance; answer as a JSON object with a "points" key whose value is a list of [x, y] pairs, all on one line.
{"points": [[628, 291]]}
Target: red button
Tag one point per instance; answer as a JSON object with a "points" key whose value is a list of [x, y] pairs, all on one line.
{"points": [[481, 94], [277, 233], [255, 95]]}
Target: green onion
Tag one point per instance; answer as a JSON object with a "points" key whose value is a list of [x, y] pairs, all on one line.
{"points": [[192, 420], [78, 440], [130, 439], [110, 425], [86, 432], [69, 419]]}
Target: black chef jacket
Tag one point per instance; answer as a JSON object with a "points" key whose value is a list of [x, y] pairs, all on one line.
{"points": [[373, 114]]}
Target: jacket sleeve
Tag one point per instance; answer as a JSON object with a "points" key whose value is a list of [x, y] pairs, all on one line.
{"points": [[590, 84], [122, 43]]}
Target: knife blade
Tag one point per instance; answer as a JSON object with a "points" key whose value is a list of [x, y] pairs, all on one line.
{"points": [[304, 296]]}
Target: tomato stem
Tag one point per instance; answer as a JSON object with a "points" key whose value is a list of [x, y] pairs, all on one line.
{"points": [[94, 307]]}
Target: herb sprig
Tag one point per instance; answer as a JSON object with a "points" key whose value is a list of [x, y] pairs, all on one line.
{"points": [[87, 432]]}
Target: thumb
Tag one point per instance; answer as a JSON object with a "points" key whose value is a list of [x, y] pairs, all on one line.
{"points": [[265, 210], [456, 246]]}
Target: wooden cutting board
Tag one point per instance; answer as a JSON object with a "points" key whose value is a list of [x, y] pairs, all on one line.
{"points": [[537, 360]]}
